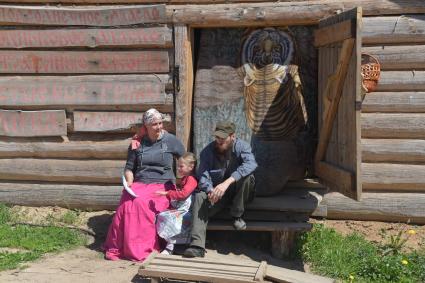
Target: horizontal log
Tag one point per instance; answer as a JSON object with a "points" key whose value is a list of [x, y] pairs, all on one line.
{"points": [[398, 57], [393, 151], [57, 170], [296, 13], [113, 90], [111, 121], [402, 126], [77, 62], [386, 176], [112, 149], [72, 196], [32, 123], [402, 81], [86, 16], [129, 37], [391, 207], [394, 102], [394, 29]]}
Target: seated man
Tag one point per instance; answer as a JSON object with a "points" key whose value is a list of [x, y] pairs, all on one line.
{"points": [[225, 177]]}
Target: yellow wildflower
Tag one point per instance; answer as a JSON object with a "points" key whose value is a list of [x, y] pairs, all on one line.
{"points": [[351, 277], [411, 232], [405, 262]]}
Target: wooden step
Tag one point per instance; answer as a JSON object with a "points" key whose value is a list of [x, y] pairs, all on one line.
{"points": [[261, 226]]}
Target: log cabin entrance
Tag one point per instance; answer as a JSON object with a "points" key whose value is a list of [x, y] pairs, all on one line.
{"points": [[328, 60]]}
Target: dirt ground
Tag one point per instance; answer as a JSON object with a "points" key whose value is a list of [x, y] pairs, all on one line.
{"points": [[86, 264]]}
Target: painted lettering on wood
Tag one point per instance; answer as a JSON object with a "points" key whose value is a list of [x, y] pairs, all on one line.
{"points": [[83, 62], [146, 37], [83, 90], [83, 16], [110, 121], [32, 123]]}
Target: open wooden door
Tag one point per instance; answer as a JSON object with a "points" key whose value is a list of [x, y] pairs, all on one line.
{"points": [[338, 155]]}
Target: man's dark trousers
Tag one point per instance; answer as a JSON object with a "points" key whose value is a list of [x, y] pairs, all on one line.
{"points": [[236, 196]]}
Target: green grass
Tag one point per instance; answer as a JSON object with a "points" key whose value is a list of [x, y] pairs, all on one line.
{"points": [[32, 242], [331, 254]]}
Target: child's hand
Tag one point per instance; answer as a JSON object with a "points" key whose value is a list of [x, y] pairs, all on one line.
{"points": [[161, 193]]}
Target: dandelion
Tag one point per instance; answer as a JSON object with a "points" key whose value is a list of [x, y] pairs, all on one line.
{"points": [[351, 277], [404, 262], [411, 232]]}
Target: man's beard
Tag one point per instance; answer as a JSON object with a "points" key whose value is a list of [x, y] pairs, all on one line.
{"points": [[221, 150]]}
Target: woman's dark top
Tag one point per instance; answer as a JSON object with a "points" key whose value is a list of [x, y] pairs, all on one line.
{"points": [[153, 162]]}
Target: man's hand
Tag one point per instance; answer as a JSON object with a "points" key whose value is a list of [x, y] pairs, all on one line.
{"points": [[218, 192]]}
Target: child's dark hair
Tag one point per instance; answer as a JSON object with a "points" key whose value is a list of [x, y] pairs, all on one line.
{"points": [[190, 159]]}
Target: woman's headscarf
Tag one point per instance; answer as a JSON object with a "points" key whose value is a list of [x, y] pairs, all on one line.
{"points": [[148, 118]]}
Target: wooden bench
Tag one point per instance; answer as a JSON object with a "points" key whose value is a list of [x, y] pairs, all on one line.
{"points": [[283, 215]]}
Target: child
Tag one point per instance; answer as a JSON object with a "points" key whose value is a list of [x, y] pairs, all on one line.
{"points": [[173, 225]]}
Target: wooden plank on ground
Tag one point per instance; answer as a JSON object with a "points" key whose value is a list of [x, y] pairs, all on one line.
{"points": [[79, 171], [394, 102], [111, 149], [261, 226], [386, 125], [334, 33], [113, 90], [112, 121], [409, 80], [393, 151], [393, 177], [406, 57], [32, 123], [284, 275], [84, 16], [120, 37], [184, 59], [394, 29], [378, 206], [83, 62]]}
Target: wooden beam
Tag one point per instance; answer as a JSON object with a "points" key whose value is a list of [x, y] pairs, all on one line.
{"points": [[57, 170], [334, 33], [112, 149], [111, 121], [409, 80], [270, 14], [333, 93], [32, 123], [380, 206], [112, 90], [393, 151], [52, 38], [283, 275], [394, 30], [398, 57], [393, 177], [184, 93], [394, 102], [400, 125], [261, 226], [85, 16], [77, 62]]}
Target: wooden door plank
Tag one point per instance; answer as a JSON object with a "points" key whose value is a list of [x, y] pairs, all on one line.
{"points": [[111, 121], [32, 123], [184, 97], [76, 16], [333, 93], [84, 90], [77, 62], [334, 33], [338, 177]]}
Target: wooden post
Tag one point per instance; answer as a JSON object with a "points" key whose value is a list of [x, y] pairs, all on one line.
{"points": [[184, 83], [283, 243]]}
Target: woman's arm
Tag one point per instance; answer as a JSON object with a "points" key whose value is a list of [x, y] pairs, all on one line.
{"points": [[130, 165], [129, 177]]}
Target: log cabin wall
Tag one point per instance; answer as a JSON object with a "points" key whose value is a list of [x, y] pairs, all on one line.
{"points": [[71, 87]]}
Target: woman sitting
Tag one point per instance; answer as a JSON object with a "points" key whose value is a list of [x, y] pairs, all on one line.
{"points": [[132, 234]]}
